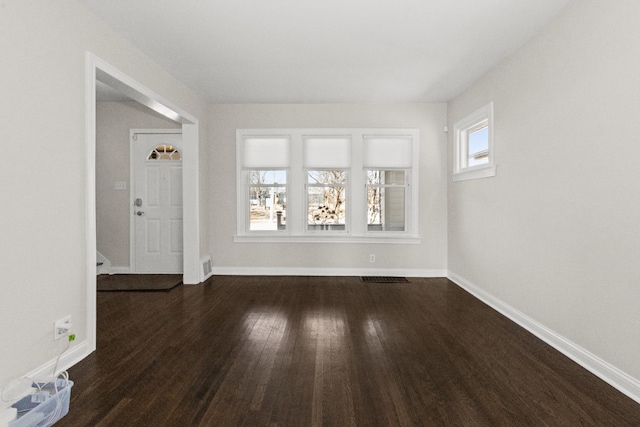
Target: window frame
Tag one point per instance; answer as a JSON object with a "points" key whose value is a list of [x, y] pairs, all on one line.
{"points": [[462, 128], [247, 197], [356, 230], [347, 206], [407, 201]]}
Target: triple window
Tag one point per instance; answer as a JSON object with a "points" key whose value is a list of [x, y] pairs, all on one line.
{"points": [[355, 183]]}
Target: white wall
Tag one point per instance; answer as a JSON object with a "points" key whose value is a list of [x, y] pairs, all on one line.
{"points": [[113, 122], [42, 218], [556, 234], [429, 257]]}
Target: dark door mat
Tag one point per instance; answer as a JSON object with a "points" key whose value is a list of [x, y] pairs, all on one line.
{"points": [[383, 279], [138, 282]]}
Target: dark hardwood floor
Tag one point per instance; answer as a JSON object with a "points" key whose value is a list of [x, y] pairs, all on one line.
{"points": [[307, 351]]}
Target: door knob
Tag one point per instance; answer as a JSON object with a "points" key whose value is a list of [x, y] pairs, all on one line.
{"points": [[139, 213]]}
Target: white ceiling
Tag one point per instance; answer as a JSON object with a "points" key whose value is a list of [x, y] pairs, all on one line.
{"points": [[334, 51]]}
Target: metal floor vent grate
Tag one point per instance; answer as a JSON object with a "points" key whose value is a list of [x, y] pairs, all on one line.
{"points": [[207, 266], [383, 279]]}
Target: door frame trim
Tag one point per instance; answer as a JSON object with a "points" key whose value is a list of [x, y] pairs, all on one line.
{"points": [[132, 181], [98, 70]]}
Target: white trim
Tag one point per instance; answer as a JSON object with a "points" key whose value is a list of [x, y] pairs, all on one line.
{"points": [[97, 69], [615, 377], [304, 271], [121, 270], [460, 137], [484, 172], [73, 355], [105, 268], [90, 208], [328, 238]]}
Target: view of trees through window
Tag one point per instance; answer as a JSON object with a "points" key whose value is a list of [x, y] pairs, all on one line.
{"points": [[321, 184], [326, 193], [267, 200], [386, 200]]}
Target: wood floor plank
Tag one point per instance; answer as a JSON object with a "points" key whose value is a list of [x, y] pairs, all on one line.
{"points": [[327, 351]]}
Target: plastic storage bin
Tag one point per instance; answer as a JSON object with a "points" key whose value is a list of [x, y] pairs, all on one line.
{"points": [[45, 407]]}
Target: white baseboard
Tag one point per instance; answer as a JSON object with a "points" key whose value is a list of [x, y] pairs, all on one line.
{"points": [[105, 264], [120, 270], [615, 377], [73, 355], [285, 271]]}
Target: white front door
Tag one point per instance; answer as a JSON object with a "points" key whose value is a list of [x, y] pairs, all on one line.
{"points": [[157, 203]]}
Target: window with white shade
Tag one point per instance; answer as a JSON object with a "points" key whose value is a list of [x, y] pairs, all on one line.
{"points": [[473, 145], [263, 171], [327, 185], [326, 161], [387, 161]]}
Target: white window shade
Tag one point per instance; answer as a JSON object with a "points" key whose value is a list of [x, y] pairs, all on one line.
{"points": [[327, 152], [266, 152], [388, 152]]}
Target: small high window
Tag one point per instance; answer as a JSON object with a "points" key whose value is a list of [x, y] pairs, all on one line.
{"points": [[165, 152], [473, 149]]}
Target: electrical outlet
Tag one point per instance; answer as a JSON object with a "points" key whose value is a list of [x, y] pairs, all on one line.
{"points": [[372, 258], [62, 328]]}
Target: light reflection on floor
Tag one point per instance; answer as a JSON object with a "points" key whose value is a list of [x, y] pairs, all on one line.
{"points": [[265, 325]]}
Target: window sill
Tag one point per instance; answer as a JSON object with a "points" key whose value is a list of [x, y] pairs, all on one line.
{"points": [[485, 172], [400, 240]]}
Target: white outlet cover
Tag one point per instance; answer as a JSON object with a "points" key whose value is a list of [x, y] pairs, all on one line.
{"points": [[61, 323]]}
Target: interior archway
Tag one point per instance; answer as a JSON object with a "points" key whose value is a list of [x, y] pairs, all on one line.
{"points": [[98, 70]]}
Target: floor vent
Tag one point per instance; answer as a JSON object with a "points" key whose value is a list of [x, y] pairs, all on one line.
{"points": [[206, 267], [383, 279]]}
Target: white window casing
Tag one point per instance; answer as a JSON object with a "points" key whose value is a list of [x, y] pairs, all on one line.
{"points": [[354, 151], [480, 119]]}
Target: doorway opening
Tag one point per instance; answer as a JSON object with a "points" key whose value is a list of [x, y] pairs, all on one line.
{"points": [[98, 70]]}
